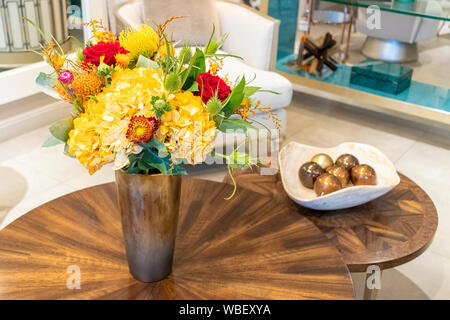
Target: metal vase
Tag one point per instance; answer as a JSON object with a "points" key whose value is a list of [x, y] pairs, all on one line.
{"points": [[149, 206]]}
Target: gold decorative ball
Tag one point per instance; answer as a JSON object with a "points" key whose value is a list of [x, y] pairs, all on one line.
{"points": [[347, 160], [363, 175], [322, 160], [341, 173], [326, 183]]}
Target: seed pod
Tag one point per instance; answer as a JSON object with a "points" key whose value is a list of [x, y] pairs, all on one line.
{"points": [[214, 105], [172, 82]]}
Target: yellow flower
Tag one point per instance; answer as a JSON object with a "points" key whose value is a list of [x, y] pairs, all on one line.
{"points": [[187, 130], [162, 50], [99, 134], [86, 84], [139, 42], [122, 60]]}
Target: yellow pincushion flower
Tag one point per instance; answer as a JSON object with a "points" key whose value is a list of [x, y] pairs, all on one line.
{"points": [[86, 84], [143, 41]]}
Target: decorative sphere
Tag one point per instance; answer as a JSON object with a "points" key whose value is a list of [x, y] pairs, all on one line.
{"points": [[326, 183], [322, 160], [341, 173], [363, 175], [347, 160], [308, 173]]}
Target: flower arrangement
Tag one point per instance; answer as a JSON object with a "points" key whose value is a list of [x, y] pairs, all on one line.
{"points": [[144, 107]]}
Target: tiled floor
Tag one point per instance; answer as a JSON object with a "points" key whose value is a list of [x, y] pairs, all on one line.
{"points": [[32, 176]]}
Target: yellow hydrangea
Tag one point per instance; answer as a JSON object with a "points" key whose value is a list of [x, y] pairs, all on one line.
{"points": [[99, 134], [188, 130], [143, 41]]}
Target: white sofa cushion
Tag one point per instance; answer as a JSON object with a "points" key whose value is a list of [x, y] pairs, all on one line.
{"points": [[234, 68], [196, 27]]}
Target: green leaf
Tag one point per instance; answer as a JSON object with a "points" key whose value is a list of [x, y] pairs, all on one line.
{"points": [[160, 106], [235, 99], [158, 145], [60, 130], [46, 82], [249, 91], [51, 141], [66, 151], [194, 87], [144, 62], [196, 66], [235, 124], [164, 164]]}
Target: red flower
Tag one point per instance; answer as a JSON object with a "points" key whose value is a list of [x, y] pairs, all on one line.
{"points": [[208, 85], [103, 49]]}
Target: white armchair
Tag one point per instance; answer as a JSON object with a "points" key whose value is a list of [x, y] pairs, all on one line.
{"points": [[253, 37], [396, 40]]}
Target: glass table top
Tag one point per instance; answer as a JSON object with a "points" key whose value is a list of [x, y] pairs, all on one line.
{"points": [[433, 9]]}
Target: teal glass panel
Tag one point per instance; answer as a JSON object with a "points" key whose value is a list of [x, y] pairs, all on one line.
{"points": [[432, 9], [418, 93], [286, 11]]}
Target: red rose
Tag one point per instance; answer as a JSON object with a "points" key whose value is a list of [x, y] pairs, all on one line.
{"points": [[208, 85], [103, 49]]}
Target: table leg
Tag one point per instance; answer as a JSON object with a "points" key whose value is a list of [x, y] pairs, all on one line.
{"points": [[349, 32], [300, 49], [370, 294]]}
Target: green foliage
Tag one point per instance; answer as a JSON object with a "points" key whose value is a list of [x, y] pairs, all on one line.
{"points": [[185, 54], [144, 62], [105, 71], [249, 91], [46, 82], [235, 99], [239, 160], [160, 106], [60, 130], [235, 124], [154, 158], [51, 141], [196, 66]]}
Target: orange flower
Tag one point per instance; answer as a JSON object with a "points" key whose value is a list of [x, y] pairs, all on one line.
{"points": [[55, 60], [141, 129], [62, 92], [246, 111], [86, 84]]}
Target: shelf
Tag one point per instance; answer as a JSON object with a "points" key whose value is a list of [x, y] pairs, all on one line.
{"points": [[439, 10], [421, 100]]}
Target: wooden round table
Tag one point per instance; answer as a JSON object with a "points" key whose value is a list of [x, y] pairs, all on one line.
{"points": [[250, 247], [386, 232]]}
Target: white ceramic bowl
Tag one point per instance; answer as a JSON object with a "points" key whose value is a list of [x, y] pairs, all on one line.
{"points": [[294, 155]]}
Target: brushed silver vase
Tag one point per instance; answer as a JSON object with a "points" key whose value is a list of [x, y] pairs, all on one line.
{"points": [[149, 207]]}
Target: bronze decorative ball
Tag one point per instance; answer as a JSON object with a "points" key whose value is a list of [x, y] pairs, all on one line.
{"points": [[363, 175], [347, 160], [322, 160], [326, 183], [308, 173], [341, 173]]}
